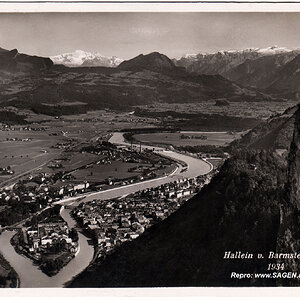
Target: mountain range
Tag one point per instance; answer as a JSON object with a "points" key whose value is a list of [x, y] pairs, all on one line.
{"points": [[246, 75], [142, 80], [268, 69], [222, 61]]}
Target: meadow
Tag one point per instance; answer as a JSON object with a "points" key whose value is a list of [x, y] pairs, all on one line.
{"points": [[24, 156], [32, 151], [260, 109], [117, 170], [174, 138]]}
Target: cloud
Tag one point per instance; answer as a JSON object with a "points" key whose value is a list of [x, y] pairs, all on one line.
{"points": [[148, 32]]}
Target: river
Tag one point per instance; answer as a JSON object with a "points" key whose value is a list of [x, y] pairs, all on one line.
{"points": [[195, 168], [31, 276]]}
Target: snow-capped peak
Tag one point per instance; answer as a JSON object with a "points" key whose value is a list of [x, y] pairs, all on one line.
{"points": [[189, 55], [83, 58], [273, 50], [261, 51]]}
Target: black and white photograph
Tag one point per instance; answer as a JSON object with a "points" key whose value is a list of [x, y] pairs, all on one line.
{"points": [[149, 149]]}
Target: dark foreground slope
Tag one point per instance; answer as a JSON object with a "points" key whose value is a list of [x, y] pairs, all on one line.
{"points": [[237, 211]]}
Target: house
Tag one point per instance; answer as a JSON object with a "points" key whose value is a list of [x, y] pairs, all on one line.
{"points": [[186, 193], [93, 227], [159, 214], [68, 240], [179, 194], [81, 186], [100, 238], [32, 232], [133, 235], [170, 194], [45, 242]]}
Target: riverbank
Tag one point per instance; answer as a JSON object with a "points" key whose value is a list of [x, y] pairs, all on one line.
{"points": [[87, 234], [31, 276], [82, 197], [49, 263]]}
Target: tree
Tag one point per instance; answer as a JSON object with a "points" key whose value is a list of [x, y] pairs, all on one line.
{"points": [[73, 234]]}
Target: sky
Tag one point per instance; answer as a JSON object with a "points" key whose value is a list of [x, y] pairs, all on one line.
{"points": [[126, 35]]}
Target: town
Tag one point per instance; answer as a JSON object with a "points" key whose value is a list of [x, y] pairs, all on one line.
{"points": [[51, 244], [68, 169], [113, 222]]}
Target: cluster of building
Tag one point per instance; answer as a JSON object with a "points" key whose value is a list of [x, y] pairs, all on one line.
{"points": [[38, 241], [42, 189], [55, 165], [26, 195], [72, 189], [7, 127], [178, 189], [6, 171], [112, 222], [124, 154], [18, 139], [108, 155], [63, 145], [190, 137]]}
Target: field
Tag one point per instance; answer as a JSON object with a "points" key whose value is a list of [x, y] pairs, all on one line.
{"points": [[30, 149], [34, 149], [261, 110], [76, 160], [23, 156], [188, 138], [117, 170]]}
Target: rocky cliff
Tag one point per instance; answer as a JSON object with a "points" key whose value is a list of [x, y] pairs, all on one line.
{"points": [[293, 184], [288, 240]]}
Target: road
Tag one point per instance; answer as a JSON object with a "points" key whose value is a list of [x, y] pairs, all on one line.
{"points": [[13, 179]]}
